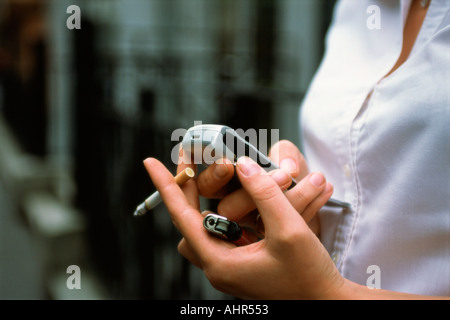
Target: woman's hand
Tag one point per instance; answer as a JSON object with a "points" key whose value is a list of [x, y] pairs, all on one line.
{"points": [[235, 205], [289, 263]]}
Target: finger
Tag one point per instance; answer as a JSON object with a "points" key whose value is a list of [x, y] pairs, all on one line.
{"points": [[309, 195], [237, 204], [311, 210], [276, 212], [288, 157], [212, 180], [185, 218]]}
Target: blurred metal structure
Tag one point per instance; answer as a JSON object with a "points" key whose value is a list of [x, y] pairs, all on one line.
{"points": [[115, 90]]}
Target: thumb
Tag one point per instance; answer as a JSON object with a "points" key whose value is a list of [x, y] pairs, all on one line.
{"points": [[276, 212]]}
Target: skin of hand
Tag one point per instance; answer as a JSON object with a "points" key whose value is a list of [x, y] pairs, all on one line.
{"points": [[267, 269], [236, 205], [289, 263]]}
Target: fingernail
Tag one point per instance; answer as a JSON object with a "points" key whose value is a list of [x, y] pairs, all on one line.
{"points": [[248, 167], [328, 188], [317, 179], [289, 165]]}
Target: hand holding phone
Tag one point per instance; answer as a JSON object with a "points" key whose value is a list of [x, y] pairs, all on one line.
{"points": [[207, 143]]}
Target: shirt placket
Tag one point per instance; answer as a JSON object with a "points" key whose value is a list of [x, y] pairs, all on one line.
{"points": [[346, 141]]}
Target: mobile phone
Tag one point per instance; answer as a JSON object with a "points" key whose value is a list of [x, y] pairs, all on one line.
{"points": [[207, 143]]}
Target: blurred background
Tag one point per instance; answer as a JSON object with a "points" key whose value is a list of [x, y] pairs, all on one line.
{"points": [[81, 109]]}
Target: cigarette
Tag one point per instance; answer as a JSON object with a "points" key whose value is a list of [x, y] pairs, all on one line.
{"points": [[155, 199]]}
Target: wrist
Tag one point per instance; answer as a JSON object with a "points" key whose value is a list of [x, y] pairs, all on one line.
{"points": [[346, 290], [350, 290]]}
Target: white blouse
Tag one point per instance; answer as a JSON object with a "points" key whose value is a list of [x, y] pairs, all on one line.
{"points": [[388, 155]]}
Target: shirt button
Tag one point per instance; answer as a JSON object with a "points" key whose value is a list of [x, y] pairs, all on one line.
{"points": [[347, 171]]}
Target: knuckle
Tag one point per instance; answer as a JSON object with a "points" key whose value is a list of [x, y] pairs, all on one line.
{"points": [[291, 237], [300, 198], [264, 192]]}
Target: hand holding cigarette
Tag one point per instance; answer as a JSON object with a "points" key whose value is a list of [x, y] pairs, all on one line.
{"points": [[288, 263]]}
